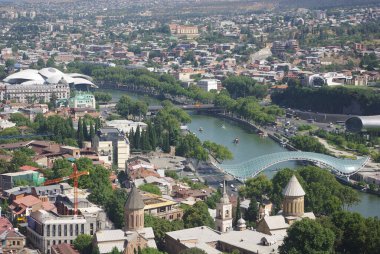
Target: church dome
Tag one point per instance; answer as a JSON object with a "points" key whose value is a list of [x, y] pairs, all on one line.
{"points": [[134, 200], [241, 222], [293, 188]]}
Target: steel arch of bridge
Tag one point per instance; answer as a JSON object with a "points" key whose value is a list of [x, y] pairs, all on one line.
{"points": [[253, 167]]}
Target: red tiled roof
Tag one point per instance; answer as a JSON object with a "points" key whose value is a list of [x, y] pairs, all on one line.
{"points": [[64, 248], [27, 201], [5, 224], [27, 167]]}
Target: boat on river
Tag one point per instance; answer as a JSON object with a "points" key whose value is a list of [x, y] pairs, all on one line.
{"points": [[200, 129], [236, 140]]}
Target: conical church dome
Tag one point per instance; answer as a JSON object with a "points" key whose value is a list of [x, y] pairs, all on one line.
{"points": [[293, 188]]}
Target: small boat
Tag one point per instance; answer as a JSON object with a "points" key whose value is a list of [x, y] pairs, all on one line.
{"points": [[236, 140], [200, 129], [223, 127]]}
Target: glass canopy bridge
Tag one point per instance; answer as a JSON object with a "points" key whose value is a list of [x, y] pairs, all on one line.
{"points": [[253, 167]]}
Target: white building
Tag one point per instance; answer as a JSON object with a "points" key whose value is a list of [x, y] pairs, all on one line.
{"points": [[125, 126], [208, 84], [31, 86]]}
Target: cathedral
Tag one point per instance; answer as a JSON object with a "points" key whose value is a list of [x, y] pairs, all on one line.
{"points": [[292, 210]]}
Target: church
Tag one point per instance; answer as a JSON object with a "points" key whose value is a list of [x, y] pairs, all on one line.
{"points": [[134, 236], [292, 210]]}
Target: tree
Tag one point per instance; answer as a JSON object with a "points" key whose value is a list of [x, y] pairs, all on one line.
{"points": [[193, 250], [83, 243], [40, 63], [161, 227], [85, 130], [92, 131], [50, 62], [256, 187], [238, 211], [10, 63], [354, 233], [219, 152], [80, 133], [115, 207], [115, 250], [253, 211], [198, 215], [308, 237]]}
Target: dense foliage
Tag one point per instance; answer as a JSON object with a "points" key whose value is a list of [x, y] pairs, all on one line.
{"points": [[324, 194], [198, 215], [353, 232], [160, 227], [308, 237], [242, 86], [83, 243], [248, 108], [337, 100], [308, 144], [140, 80]]}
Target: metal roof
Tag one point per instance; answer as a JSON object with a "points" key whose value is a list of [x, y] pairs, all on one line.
{"points": [[134, 200], [255, 166], [293, 188]]}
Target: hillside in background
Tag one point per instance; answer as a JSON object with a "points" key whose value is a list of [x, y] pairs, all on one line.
{"points": [[323, 3]]}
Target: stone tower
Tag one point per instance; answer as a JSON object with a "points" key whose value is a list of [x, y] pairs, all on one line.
{"points": [[134, 211], [293, 204], [223, 219]]}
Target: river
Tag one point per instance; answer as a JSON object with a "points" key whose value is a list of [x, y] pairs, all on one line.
{"points": [[250, 146]]}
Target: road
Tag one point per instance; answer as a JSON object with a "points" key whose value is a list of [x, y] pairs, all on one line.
{"points": [[214, 177]]}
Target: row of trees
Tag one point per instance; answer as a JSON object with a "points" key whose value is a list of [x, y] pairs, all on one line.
{"points": [[336, 100], [248, 108], [87, 129]]}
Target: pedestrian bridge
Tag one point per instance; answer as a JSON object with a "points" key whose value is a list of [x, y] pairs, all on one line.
{"points": [[253, 167]]}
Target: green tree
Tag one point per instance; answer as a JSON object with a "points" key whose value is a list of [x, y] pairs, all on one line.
{"points": [[80, 133], [198, 215], [40, 63], [253, 211], [256, 187], [83, 243], [115, 207], [115, 250], [161, 227], [354, 233], [308, 237]]}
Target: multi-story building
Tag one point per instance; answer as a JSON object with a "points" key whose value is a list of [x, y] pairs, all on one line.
{"points": [[46, 229], [161, 207], [208, 84], [35, 92], [120, 145]]}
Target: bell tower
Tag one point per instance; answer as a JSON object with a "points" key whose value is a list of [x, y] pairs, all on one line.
{"points": [[223, 219]]}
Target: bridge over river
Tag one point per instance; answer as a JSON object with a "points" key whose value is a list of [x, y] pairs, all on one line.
{"points": [[253, 167]]}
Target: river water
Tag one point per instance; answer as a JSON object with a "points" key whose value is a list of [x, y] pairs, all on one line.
{"points": [[250, 146]]}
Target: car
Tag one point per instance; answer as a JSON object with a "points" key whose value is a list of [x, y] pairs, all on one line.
{"points": [[232, 186], [221, 185]]}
